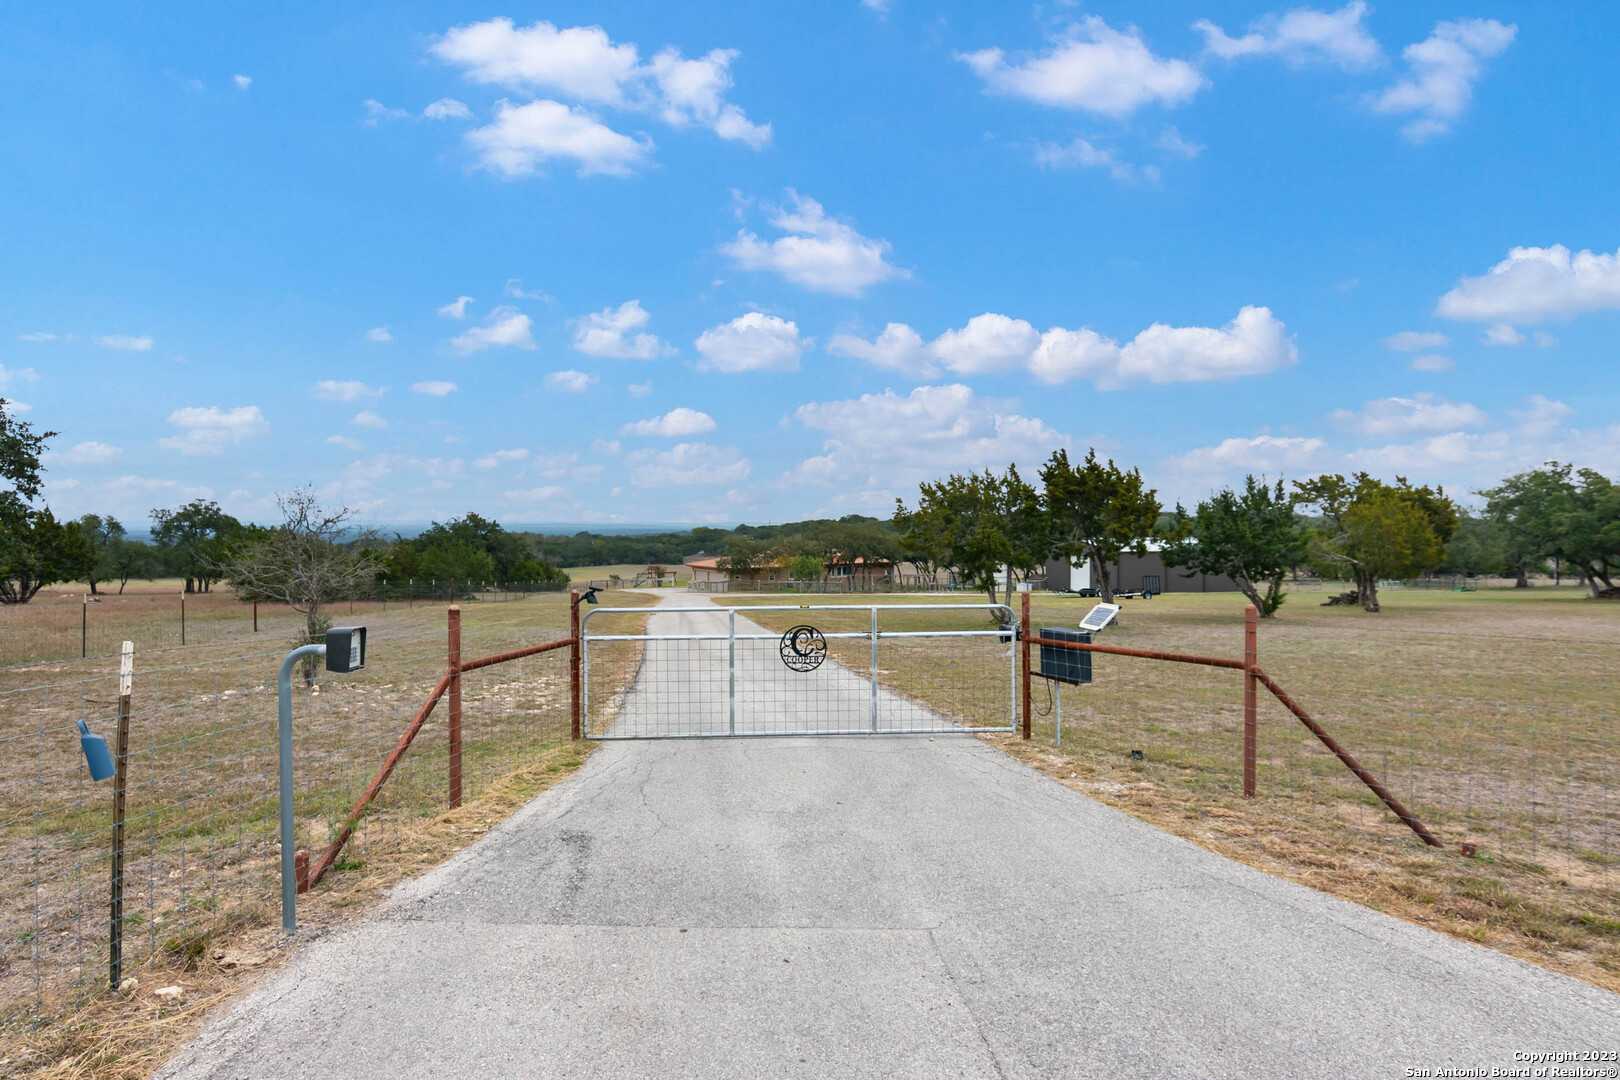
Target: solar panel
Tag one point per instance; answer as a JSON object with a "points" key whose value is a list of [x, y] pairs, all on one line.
{"points": [[1099, 617]]}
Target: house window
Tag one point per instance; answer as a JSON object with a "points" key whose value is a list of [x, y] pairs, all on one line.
{"points": [[773, 577]]}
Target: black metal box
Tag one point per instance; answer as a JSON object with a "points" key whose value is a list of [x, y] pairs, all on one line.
{"points": [[1065, 665], [345, 649]]}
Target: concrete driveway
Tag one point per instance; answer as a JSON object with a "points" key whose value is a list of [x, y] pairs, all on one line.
{"points": [[860, 906]]}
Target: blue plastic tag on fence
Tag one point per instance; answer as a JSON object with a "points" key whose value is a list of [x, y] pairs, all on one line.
{"points": [[96, 754]]}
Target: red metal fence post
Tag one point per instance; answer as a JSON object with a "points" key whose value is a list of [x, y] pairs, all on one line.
{"points": [[1023, 661], [1251, 687], [455, 706], [573, 665]]}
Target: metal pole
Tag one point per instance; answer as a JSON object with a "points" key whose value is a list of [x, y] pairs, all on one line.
{"points": [[255, 614], [289, 873], [455, 706], [874, 669], [84, 628], [1057, 709], [1251, 661], [182, 616], [731, 674], [575, 651], [115, 936], [1023, 661]]}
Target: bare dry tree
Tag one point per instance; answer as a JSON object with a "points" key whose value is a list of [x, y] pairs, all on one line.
{"points": [[312, 559]]}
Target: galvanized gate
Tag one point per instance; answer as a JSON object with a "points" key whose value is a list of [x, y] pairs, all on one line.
{"points": [[840, 669]]}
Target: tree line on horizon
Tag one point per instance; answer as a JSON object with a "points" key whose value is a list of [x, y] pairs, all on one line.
{"points": [[978, 525], [1358, 529]]}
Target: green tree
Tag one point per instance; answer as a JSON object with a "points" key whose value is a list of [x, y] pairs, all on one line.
{"points": [[504, 549], [1097, 512], [452, 560], [193, 539], [1587, 534], [1254, 538], [124, 559], [1534, 509], [744, 553], [806, 568], [1374, 530], [538, 571], [1480, 546], [980, 525], [35, 549], [101, 534]]}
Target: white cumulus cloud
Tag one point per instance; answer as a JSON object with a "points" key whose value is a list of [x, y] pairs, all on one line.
{"points": [[506, 327], [1416, 340], [90, 453], [678, 423], [611, 333], [1534, 284], [346, 442], [752, 342], [1095, 68], [522, 138], [127, 342], [1432, 363], [367, 419], [242, 81], [379, 333], [345, 390], [988, 344], [898, 348], [433, 388], [501, 457], [1301, 36], [1396, 416], [1442, 71], [817, 252], [1254, 343], [888, 442], [1087, 155], [583, 63], [570, 381], [212, 430], [687, 464], [457, 308], [446, 109], [12, 376]]}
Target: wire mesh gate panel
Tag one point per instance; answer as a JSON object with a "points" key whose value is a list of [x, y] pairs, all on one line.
{"points": [[839, 669]]}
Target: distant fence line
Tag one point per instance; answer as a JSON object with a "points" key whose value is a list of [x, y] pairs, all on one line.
{"points": [[50, 632]]}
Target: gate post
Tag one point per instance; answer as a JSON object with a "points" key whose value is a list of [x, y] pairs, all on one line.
{"points": [[455, 706], [731, 673], [573, 664], [1023, 661], [1251, 660], [874, 669]]}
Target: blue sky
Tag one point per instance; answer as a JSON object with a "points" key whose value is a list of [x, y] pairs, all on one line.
{"points": [[744, 262]]}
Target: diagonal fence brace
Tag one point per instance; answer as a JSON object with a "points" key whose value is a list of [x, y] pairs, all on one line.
{"points": [[1281, 695]]}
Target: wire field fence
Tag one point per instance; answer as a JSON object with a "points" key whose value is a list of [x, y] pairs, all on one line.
{"points": [[66, 626], [201, 838]]}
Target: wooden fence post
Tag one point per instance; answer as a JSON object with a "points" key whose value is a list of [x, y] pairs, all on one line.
{"points": [[455, 706], [1251, 661]]}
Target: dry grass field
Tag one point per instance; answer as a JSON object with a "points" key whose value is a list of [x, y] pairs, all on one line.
{"points": [[1493, 715], [201, 846]]}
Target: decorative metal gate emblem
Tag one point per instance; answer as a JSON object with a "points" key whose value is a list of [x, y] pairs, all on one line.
{"points": [[803, 648]]}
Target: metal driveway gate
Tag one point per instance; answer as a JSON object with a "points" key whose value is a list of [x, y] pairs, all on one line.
{"points": [[840, 669]]}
